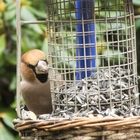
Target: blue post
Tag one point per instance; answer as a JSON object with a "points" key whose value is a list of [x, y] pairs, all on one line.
{"points": [[85, 38]]}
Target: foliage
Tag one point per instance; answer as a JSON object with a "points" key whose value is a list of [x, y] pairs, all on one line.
{"points": [[30, 33], [136, 2]]}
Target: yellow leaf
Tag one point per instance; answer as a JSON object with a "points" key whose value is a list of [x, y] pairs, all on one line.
{"points": [[101, 46], [2, 6], [25, 3]]}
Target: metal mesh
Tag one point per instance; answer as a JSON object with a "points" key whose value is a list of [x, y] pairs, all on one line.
{"points": [[92, 46]]}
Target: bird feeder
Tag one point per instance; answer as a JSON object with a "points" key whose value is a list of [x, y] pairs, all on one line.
{"points": [[92, 45]]}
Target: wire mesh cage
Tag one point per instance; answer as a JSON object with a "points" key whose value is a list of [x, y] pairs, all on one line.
{"points": [[92, 45], [92, 55]]}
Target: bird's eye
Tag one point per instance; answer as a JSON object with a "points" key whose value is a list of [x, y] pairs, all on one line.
{"points": [[34, 66], [31, 66]]}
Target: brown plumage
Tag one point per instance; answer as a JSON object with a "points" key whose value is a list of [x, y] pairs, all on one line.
{"points": [[35, 84]]}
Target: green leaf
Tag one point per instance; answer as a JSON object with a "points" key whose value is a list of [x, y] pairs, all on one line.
{"points": [[7, 117], [2, 44], [45, 46], [136, 2], [40, 14], [10, 13], [4, 134], [9, 1], [28, 16], [13, 83], [11, 57], [137, 23], [8, 121]]}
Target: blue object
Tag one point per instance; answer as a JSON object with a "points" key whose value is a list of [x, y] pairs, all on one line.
{"points": [[85, 38]]}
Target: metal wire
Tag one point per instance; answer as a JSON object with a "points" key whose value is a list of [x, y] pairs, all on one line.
{"points": [[45, 21], [34, 22], [114, 78], [115, 53]]}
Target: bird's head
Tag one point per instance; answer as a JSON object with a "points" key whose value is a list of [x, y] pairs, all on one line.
{"points": [[34, 62]]}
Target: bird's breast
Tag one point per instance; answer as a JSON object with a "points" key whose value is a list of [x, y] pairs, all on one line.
{"points": [[37, 96]]}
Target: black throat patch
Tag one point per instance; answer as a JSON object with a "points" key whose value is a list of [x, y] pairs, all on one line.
{"points": [[42, 77]]}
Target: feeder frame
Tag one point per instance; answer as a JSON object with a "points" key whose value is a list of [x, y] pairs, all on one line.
{"points": [[93, 128]]}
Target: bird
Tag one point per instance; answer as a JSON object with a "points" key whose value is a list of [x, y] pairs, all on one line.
{"points": [[35, 82]]}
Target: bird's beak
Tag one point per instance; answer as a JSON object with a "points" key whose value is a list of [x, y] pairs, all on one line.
{"points": [[42, 67]]}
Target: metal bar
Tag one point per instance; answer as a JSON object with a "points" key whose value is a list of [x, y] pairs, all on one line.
{"points": [[51, 21], [86, 20], [34, 22], [18, 32]]}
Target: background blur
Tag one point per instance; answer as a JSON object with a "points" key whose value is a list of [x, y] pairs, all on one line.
{"points": [[33, 36]]}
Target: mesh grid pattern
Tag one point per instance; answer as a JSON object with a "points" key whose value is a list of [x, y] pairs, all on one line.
{"points": [[99, 72]]}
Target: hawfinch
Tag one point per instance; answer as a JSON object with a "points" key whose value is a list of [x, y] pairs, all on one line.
{"points": [[35, 84]]}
